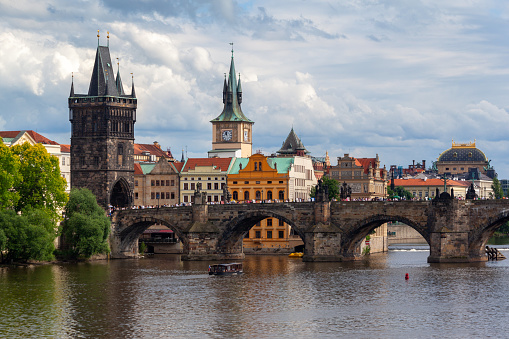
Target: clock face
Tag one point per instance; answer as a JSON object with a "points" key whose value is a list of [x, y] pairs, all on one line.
{"points": [[227, 135], [246, 135]]}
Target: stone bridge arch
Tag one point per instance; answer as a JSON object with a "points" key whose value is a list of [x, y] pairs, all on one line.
{"points": [[352, 240], [235, 229], [131, 229], [480, 235]]}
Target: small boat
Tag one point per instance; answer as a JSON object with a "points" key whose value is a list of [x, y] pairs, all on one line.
{"points": [[296, 255], [225, 269]]}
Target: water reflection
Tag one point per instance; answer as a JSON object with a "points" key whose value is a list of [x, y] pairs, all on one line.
{"points": [[276, 297]]}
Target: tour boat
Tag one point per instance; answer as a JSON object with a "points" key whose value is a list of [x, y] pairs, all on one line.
{"points": [[296, 255], [225, 269]]}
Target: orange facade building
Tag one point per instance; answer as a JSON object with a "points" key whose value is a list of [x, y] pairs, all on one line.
{"points": [[259, 179]]}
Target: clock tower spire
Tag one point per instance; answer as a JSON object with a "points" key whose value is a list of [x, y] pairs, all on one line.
{"points": [[231, 130]]}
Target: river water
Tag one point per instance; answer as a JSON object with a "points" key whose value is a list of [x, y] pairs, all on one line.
{"points": [[277, 297]]}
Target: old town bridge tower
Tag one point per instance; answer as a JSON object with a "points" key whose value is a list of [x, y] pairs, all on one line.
{"points": [[102, 134]]}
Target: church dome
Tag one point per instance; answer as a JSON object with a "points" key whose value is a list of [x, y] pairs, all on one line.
{"points": [[462, 153]]}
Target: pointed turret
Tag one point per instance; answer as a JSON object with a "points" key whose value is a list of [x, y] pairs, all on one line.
{"points": [[71, 94], [183, 158], [133, 93], [231, 95], [239, 92], [293, 145], [118, 82]]}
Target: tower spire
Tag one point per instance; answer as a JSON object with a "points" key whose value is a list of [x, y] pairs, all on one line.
{"points": [[133, 94], [108, 39], [98, 38], [72, 85], [118, 80]]}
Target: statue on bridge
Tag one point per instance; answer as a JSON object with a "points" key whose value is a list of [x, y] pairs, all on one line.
{"points": [[200, 197], [345, 192], [321, 191], [227, 197]]}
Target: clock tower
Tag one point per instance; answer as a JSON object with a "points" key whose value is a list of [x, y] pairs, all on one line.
{"points": [[231, 130]]}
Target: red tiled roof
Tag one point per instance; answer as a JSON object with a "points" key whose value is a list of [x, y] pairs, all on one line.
{"points": [[221, 163], [429, 182], [153, 149], [178, 165], [137, 169], [364, 162], [40, 139], [65, 148]]}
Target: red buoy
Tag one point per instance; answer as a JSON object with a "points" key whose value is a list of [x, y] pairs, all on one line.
{"points": [[407, 276]]}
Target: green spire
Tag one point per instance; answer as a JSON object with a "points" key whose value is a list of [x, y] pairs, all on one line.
{"points": [[232, 98]]}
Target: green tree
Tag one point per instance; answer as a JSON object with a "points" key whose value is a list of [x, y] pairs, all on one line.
{"points": [[9, 177], [498, 192], [28, 236], [86, 226], [41, 185], [399, 192], [331, 184]]}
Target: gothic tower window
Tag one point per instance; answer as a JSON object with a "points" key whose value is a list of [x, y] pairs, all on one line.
{"points": [[120, 154]]}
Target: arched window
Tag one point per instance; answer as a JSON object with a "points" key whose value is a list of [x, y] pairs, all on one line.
{"points": [[258, 195], [246, 195], [281, 195], [256, 166], [260, 166], [235, 195], [269, 195]]}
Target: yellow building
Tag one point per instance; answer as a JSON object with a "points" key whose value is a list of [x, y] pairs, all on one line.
{"points": [[209, 173], [426, 188]]}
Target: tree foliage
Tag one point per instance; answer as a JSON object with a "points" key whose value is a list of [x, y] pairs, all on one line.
{"points": [[498, 192], [331, 184], [399, 192], [42, 185], [86, 226], [28, 236], [9, 177]]}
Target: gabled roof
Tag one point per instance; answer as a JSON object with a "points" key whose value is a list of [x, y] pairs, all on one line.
{"points": [[65, 148], [15, 135], [178, 165], [137, 169], [220, 163], [292, 144], [153, 149], [365, 162]]}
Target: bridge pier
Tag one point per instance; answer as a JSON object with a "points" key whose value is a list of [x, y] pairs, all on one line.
{"points": [[323, 243]]}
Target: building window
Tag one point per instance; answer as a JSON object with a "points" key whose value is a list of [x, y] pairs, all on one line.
{"points": [[136, 195], [216, 198], [258, 234], [173, 182], [281, 195], [152, 195], [281, 182], [185, 198], [63, 161], [269, 195], [235, 183], [281, 234], [269, 222], [186, 186], [120, 154], [193, 185], [135, 182], [168, 183], [152, 182], [209, 198], [246, 195], [162, 182], [209, 186], [246, 182], [258, 195], [280, 222], [167, 195], [269, 234], [216, 186], [269, 182], [235, 195], [172, 195], [157, 182]]}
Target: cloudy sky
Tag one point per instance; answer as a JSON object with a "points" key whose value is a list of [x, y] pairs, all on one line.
{"points": [[400, 79]]}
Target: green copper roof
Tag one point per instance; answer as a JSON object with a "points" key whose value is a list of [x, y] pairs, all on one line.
{"points": [[232, 98], [237, 164], [147, 168], [283, 164]]}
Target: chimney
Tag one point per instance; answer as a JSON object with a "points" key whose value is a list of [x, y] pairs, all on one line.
{"points": [[156, 144], [424, 164]]}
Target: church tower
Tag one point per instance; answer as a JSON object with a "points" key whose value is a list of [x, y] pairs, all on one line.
{"points": [[232, 131], [102, 134]]}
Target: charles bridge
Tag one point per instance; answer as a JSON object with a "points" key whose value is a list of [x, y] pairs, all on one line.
{"points": [[456, 230]]}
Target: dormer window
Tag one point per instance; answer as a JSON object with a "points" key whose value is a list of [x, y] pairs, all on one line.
{"points": [[469, 154], [455, 155]]}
